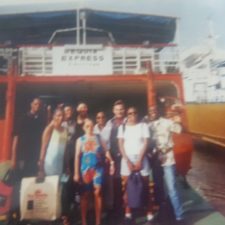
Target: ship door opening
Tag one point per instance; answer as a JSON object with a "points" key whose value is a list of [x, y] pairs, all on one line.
{"points": [[166, 89], [99, 96]]}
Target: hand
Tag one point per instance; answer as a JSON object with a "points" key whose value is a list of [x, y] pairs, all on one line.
{"points": [[76, 178], [52, 124], [130, 165], [112, 169], [162, 158], [138, 165], [40, 176]]}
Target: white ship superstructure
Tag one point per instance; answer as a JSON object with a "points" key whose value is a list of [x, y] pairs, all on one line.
{"points": [[203, 69]]}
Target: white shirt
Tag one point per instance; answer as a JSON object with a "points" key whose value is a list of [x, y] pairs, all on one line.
{"points": [[70, 128], [133, 136], [104, 134], [162, 134]]}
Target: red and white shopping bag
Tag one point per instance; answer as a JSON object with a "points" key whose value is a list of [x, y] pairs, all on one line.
{"points": [[40, 200]]}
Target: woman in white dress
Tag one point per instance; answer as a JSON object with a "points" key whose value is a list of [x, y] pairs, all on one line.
{"points": [[54, 142], [53, 146]]}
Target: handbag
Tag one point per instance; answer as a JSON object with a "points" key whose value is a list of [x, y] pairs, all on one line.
{"points": [[135, 190], [6, 190]]}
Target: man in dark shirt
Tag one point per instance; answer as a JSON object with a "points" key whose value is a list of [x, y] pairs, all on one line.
{"points": [[113, 124], [27, 140]]}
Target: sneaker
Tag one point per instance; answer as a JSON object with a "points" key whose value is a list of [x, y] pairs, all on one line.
{"points": [[150, 217], [181, 222]]}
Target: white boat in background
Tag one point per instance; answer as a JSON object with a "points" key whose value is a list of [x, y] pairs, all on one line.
{"points": [[203, 69]]}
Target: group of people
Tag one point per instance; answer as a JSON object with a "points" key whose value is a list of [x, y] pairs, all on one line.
{"points": [[100, 156]]}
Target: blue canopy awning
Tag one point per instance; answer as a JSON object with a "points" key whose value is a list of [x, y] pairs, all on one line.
{"points": [[126, 28]]}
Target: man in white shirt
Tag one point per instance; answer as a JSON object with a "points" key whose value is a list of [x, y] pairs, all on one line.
{"points": [[163, 129], [101, 129]]}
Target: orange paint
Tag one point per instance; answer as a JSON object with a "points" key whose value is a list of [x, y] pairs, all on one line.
{"points": [[182, 152], [9, 116]]}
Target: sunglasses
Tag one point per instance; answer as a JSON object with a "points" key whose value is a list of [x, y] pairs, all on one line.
{"points": [[100, 117], [132, 113]]}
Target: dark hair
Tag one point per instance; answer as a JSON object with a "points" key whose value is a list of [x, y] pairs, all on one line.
{"points": [[58, 110], [68, 105], [100, 112], [132, 107], [81, 103], [118, 102]]}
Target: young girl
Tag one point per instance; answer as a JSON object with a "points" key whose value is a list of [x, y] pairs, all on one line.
{"points": [[89, 168]]}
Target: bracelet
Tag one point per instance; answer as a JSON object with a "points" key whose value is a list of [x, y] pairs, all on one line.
{"points": [[112, 162]]}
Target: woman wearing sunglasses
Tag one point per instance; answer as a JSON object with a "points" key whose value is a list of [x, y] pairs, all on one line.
{"points": [[133, 140]]}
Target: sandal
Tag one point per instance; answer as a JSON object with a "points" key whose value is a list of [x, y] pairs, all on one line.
{"points": [[65, 220]]}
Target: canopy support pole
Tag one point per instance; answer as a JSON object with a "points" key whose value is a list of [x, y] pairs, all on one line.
{"points": [[78, 27], [150, 87], [10, 111]]}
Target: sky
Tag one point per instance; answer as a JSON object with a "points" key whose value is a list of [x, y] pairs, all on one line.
{"points": [[194, 15]]}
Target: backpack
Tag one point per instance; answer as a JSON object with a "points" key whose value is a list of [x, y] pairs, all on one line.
{"points": [[135, 190]]}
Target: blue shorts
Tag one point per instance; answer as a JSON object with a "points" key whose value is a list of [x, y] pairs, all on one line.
{"points": [[92, 177]]}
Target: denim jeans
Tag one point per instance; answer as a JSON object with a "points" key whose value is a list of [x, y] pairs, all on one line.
{"points": [[170, 182]]}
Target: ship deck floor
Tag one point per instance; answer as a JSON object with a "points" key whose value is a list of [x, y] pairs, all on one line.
{"points": [[203, 199]]}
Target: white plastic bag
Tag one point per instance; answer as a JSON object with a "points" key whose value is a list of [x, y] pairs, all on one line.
{"points": [[40, 201]]}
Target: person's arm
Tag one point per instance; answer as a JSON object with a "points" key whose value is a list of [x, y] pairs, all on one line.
{"points": [[18, 129], [108, 157], [14, 151], [123, 153], [143, 150], [67, 156], [77, 161], [44, 144], [176, 127], [121, 147]]}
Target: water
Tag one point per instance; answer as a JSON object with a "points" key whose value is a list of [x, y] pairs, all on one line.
{"points": [[207, 175]]}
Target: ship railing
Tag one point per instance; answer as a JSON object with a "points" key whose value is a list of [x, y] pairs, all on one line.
{"points": [[118, 60], [6, 58]]}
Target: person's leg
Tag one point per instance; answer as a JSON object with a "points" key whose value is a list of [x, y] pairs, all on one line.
{"points": [[117, 189], [157, 172], [125, 198], [148, 198], [170, 181], [65, 203], [98, 182], [148, 194], [98, 204], [84, 207]]}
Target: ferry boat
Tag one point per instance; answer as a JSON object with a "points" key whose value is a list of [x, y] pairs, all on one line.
{"points": [[203, 70], [104, 57]]}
